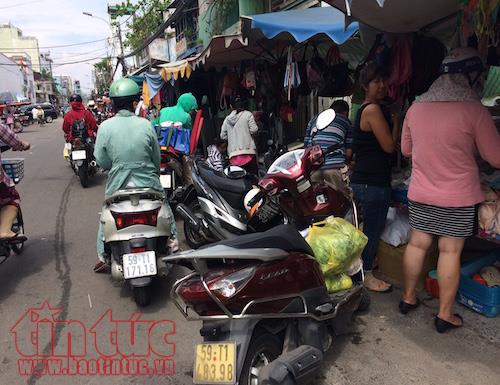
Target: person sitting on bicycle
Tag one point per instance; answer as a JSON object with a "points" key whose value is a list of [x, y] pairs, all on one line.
{"points": [[78, 116], [9, 197]]}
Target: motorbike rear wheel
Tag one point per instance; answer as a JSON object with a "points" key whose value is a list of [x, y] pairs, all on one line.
{"points": [[365, 302], [18, 227], [83, 175], [264, 348], [142, 295], [193, 238]]}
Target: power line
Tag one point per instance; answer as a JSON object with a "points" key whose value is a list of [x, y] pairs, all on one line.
{"points": [[20, 5], [61, 64], [57, 46]]}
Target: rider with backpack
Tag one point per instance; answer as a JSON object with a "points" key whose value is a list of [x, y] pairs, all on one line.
{"points": [[79, 119]]}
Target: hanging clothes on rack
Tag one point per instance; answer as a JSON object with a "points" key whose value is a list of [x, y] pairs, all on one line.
{"points": [[292, 76]]}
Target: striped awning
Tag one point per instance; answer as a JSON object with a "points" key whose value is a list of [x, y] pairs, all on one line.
{"points": [[182, 68]]}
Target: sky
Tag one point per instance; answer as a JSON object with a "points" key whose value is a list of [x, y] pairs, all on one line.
{"points": [[61, 22]]}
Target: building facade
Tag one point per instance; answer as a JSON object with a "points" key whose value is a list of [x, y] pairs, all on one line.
{"points": [[65, 88], [13, 43], [26, 67], [45, 92], [46, 63], [11, 80], [78, 88]]}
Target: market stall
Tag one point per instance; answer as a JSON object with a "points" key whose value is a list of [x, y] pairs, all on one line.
{"points": [[400, 33]]}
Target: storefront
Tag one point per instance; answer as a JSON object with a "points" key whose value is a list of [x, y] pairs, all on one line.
{"points": [[411, 38]]}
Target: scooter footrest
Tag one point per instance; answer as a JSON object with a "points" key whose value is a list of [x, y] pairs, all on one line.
{"points": [[296, 366]]}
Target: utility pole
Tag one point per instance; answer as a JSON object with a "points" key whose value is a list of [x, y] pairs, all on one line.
{"points": [[114, 11], [122, 59]]}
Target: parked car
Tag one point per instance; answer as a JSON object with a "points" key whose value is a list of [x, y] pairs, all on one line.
{"points": [[50, 111]]}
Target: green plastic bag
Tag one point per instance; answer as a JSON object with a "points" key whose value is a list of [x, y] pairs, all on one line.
{"points": [[336, 244], [337, 282]]}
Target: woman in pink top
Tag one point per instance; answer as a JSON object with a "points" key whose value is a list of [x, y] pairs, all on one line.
{"points": [[443, 132]]}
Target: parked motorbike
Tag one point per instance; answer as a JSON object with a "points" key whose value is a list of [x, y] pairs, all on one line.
{"points": [[171, 176], [267, 316], [82, 158], [136, 228], [228, 205]]}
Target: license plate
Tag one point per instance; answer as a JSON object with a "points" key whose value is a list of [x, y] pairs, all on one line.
{"points": [[139, 264], [79, 155], [215, 363], [166, 181]]}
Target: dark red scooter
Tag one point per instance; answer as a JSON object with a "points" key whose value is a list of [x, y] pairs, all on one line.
{"points": [[267, 316]]}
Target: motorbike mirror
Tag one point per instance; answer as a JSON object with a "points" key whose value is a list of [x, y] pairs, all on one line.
{"points": [[325, 119]]}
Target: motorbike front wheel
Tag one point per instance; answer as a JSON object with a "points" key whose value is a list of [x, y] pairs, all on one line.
{"points": [[142, 295], [83, 175], [264, 348], [193, 237]]}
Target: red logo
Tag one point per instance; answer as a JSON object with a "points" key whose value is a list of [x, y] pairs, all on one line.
{"points": [[54, 347]]}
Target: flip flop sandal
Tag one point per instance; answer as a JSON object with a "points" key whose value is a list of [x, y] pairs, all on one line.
{"points": [[101, 267], [17, 239], [443, 326], [386, 290]]}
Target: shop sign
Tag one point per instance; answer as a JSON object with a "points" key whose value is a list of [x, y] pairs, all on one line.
{"points": [[158, 49]]}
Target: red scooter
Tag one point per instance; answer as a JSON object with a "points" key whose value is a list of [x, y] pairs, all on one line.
{"points": [[227, 206], [267, 316]]}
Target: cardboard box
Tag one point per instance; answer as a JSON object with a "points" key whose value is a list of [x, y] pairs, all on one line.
{"points": [[390, 263]]}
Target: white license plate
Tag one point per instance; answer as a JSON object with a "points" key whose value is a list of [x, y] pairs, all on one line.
{"points": [[79, 155], [139, 264], [166, 181]]}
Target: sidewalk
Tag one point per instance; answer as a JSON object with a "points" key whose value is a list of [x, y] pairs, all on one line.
{"points": [[387, 348]]}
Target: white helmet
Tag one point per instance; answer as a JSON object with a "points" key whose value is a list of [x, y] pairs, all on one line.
{"points": [[252, 209], [91, 103]]}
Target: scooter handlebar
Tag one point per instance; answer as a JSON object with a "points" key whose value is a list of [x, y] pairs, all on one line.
{"points": [[256, 198]]}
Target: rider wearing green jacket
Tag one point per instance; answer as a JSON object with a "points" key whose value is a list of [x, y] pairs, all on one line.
{"points": [[181, 111], [127, 147]]}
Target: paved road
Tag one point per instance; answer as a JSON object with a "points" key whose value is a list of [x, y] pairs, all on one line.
{"points": [[61, 218]]}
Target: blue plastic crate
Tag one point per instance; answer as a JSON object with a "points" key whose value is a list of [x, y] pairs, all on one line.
{"points": [[14, 168], [483, 299]]}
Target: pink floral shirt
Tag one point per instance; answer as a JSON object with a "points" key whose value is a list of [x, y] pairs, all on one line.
{"points": [[10, 138]]}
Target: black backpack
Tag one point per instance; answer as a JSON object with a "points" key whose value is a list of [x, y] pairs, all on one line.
{"points": [[79, 129]]}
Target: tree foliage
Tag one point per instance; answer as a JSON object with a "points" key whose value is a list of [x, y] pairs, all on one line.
{"points": [[146, 18], [103, 75]]}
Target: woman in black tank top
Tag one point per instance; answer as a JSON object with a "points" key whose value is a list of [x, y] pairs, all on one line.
{"points": [[371, 180]]}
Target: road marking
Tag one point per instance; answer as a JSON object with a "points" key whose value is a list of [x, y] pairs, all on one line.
{"points": [[90, 301]]}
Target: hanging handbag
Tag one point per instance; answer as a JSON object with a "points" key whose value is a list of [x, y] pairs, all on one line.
{"points": [[336, 76]]}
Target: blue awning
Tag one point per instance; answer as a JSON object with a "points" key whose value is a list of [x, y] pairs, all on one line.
{"points": [[304, 24]]}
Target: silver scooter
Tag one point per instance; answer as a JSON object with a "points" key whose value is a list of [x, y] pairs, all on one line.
{"points": [[136, 226]]}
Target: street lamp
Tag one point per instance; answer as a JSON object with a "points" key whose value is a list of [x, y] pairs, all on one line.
{"points": [[121, 58]]}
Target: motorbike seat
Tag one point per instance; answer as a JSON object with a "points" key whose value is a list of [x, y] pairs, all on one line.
{"points": [[284, 237], [219, 181]]}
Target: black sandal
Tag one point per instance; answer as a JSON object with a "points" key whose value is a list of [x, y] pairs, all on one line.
{"points": [[405, 307], [18, 238], [442, 326]]}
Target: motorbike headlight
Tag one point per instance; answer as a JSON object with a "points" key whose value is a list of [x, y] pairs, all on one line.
{"points": [[229, 285]]}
